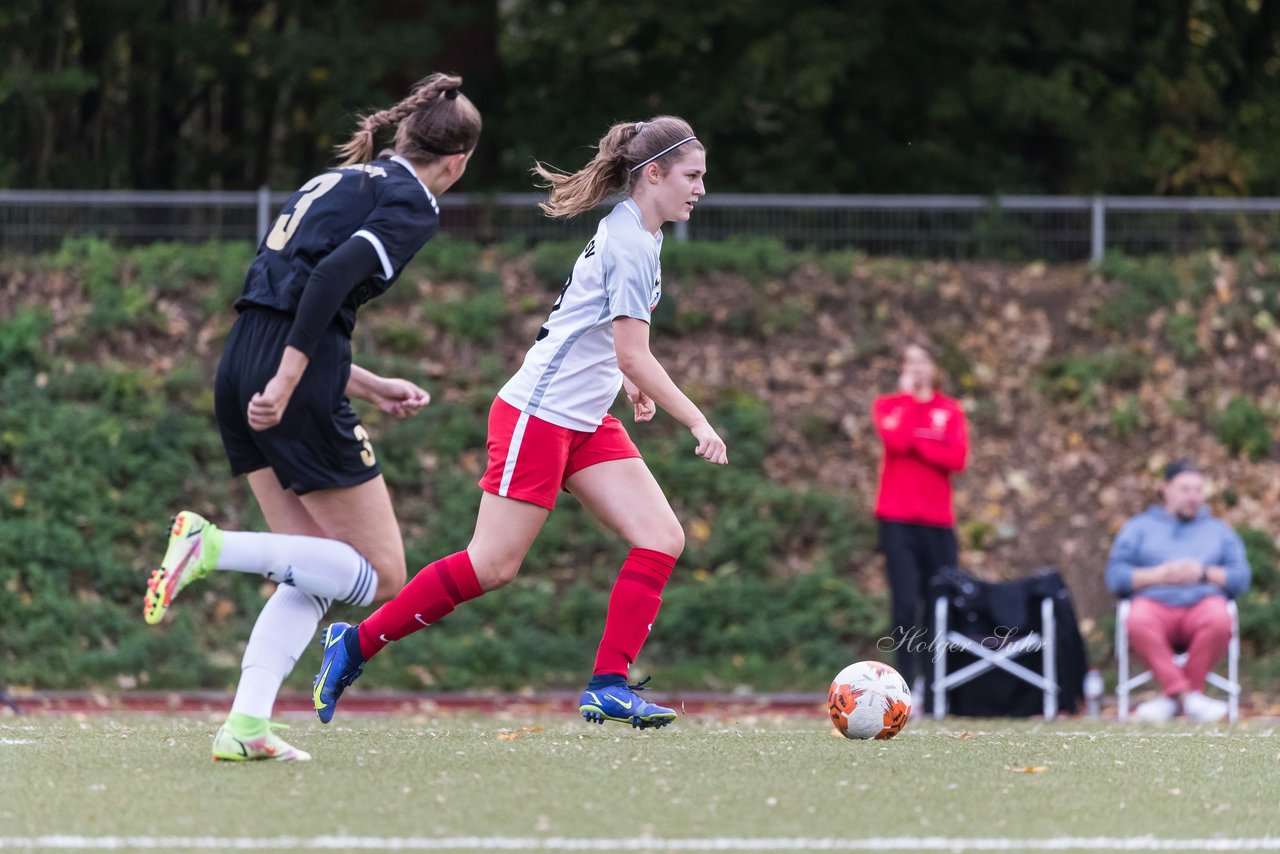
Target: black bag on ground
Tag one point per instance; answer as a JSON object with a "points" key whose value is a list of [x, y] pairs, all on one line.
{"points": [[997, 614]]}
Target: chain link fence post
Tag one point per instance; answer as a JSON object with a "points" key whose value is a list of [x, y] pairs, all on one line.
{"points": [[264, 211], [1098, 229]]}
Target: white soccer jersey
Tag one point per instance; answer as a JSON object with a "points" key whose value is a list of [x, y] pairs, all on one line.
{"points": [[570, 376]]}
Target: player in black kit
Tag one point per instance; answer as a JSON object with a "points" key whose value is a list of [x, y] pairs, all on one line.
{"points": [[281, 398]]}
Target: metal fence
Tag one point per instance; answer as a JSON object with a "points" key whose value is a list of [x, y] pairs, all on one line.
{"points": [[1057, 228]]}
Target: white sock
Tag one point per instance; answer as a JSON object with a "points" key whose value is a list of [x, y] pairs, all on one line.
{"points": [[256, 692], [286, 625], [329, 569]]}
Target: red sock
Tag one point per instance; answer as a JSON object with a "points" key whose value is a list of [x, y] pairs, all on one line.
{"points": [[431, 594], [633, 605]]}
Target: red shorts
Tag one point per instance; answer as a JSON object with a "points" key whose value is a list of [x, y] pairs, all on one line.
{"points": [[531, 459]]}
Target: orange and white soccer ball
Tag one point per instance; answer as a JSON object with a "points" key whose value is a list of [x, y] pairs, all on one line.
{"points": [[869, 700]]}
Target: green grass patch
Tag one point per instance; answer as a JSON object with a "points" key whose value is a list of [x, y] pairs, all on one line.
{"points": [[449, 258], [740, 776], [755, 259], [474, 316], [552, 261], [1127, 417], [22, 338], [1180, 335], [1243, 428], [1142, 285], [1083, 377]]}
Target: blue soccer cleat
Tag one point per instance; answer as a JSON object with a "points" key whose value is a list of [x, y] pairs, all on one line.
{"points": [[621, 703], [338, 669]]}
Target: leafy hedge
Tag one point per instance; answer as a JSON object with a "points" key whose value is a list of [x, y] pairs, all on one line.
{"points": [[107, 429]]}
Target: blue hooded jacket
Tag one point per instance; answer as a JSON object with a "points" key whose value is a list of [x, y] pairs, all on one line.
{"points": [[1156, 536]]}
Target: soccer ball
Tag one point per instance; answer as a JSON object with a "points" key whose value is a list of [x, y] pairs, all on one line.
{"points": [[869, 700]]}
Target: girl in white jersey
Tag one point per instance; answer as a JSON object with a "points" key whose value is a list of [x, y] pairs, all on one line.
{"points": [[549, 428]]}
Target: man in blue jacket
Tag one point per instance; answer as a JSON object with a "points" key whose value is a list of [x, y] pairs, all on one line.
{"points": [[1179, 565]]}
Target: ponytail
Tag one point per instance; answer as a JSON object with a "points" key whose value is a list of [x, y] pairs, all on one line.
{"points": [[606, 174], [623, 150], [359, 149], [435, 120]]}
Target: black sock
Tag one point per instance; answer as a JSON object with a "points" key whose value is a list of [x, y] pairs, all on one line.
{"points": [[352, 641], [606, 680]]}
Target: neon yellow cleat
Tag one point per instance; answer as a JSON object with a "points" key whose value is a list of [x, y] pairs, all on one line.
{"points": [[194, 544], [234, 744]]}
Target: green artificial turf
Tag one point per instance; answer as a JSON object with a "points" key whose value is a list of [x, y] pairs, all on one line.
{"points": [[758, 778]]}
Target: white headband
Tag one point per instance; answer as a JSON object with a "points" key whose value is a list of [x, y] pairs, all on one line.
{"points": [[669, 148]]}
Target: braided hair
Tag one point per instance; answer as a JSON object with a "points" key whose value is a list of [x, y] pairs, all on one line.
{"points": [[435, 120]]}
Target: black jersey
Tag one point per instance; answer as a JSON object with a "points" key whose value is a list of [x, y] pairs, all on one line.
{"points": [[382, 202]]}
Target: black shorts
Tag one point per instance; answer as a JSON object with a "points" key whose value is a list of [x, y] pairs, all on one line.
{"points": [[320, 443]]}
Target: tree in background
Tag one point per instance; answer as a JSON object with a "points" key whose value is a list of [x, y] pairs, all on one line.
{"points": [[214, 93], [977, 96], [973, 96]]}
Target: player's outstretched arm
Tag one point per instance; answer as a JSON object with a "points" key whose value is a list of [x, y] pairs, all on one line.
{"points": [[397, 397], [637, 363]]}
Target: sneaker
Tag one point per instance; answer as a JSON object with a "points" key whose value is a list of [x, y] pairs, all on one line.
{"points": [[1202, 709], [338, 669], [1157, 711], [621, 703], [232, 746], [194, 544]]}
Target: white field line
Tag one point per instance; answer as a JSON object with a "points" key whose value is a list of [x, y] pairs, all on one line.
{"points": [[1098, 734], [14, 741], [633, 843]]}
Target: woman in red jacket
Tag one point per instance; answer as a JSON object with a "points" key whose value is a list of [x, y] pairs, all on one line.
{"points": [[926, 440]]}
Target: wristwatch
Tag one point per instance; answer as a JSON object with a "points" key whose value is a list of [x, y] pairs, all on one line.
{"points": [[1204, 575]]}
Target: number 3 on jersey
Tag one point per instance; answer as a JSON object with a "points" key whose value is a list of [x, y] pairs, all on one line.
{"points": [[287, 223], [366, 447]]}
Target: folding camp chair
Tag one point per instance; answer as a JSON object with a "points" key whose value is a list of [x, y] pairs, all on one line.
{"points": [[1126, 683], [996, 635], [1001, 656]]}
